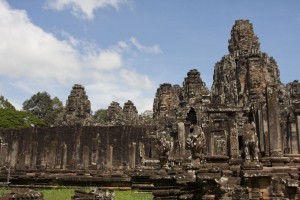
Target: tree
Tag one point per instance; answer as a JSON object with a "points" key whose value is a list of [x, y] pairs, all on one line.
{"points": [[4, 103], [42, 106], [11, 118], [146, 117], [100, 115], [57, 106]]}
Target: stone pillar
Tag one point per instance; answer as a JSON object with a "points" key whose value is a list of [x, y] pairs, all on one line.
{"points": [[273, 122], [266, 131], [33, 154], [52, 154], [260, 130], [95, 152], [132, 155], [234, 143], [14, 153], [298, 130], [28, 156], [181, 137], [86, 157], [3, 154], [64, 156], [293, 136], [109, 156]]}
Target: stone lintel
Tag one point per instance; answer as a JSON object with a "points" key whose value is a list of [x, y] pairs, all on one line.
{"points": [[217, 159], [280, 161]]}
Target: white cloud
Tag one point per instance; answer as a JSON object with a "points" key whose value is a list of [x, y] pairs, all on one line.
{"points": [[27, 51], [83, 8], [147, 49], [133, 45], [104, 60], [135, 80], [33, 60]]}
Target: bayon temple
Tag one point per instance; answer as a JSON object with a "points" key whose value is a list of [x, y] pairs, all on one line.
{"points": [[238, 140]]}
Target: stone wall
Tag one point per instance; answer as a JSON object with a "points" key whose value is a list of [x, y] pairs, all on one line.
{"points": [[73, 147]]}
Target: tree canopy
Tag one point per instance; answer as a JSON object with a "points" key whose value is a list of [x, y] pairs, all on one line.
{"points": [[10, 118], [146, 117], [100, 115], [43, 107], [4, 103]]}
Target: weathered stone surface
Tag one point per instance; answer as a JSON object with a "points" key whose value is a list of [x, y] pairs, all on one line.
{"points": [[23, 194], [246, 132], [94, 194], [78, 108], [130, 113], [114, 114], [241, 77]]}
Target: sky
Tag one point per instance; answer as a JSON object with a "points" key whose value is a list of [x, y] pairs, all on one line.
{"points": [[123, 50]]}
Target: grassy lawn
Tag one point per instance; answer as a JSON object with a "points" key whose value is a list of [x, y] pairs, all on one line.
{"points": [[58, 194], [132, 195], [65, 194], [4, 191]]}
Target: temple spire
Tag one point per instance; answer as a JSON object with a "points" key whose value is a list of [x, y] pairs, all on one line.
{"points": [[243, 38]]}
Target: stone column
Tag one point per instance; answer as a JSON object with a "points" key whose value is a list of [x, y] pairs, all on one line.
{"points": [[181, 137], [266, 131], [27, 156], [52, 154], [273, 121], [109, 156], [292, 135], [234, 143], [86, 157], [64, 156], [132, 155], [298, 130], [3, 154], [260, 130], [33, 154], [14, 153], [95, 152]]}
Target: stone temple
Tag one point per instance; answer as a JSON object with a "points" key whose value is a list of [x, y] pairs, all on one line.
{"points": [[238, 140]]}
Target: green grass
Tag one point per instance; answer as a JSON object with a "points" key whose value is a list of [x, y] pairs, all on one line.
{"points": [[65, 194], [58, 194], [132, 195], [4, 191]]}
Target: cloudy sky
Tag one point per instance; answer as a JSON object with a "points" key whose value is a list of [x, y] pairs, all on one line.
{"points": [[123, 49]]}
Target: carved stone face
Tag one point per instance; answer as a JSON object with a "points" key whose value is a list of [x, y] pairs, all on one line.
{"points": [[71, 104], [164, 103], [191, 92], [296, 90]]}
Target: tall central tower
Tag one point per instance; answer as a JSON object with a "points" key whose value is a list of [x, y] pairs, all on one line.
{"points": [[242, 76]]}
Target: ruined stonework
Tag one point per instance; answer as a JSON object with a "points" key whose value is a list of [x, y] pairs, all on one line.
{"points": [[78, 108], [166, 102], [240, 140], [241, 77], [130, 113], [173, 102], [116, 115], [250, 122], [194, 88]]}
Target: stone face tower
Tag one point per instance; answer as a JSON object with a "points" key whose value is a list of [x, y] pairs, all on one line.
{"points": [[116, 115], [78, 108], [242, 76], [193, 87], [130, 113]]}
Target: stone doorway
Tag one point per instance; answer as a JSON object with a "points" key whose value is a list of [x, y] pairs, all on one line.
{"points": [[191, 116]]}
